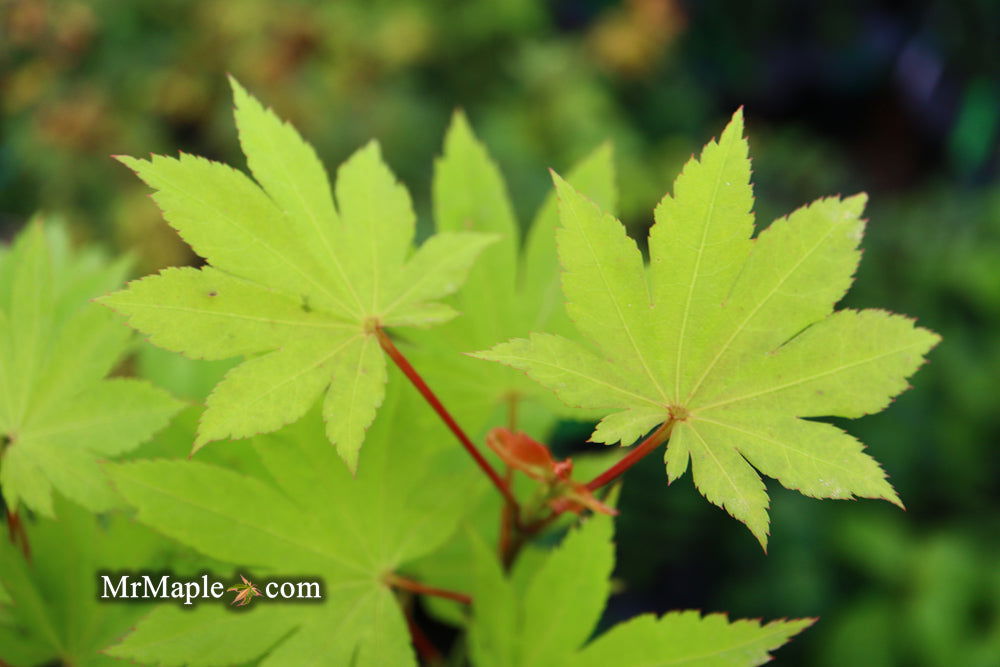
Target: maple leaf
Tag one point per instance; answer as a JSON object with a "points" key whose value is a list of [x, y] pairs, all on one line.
{"points": [[294, 283], [733, 339], [512, 290], [552, 604], [58, 415], [305, 514], [449, 566], [245, 592], [53, 613]]}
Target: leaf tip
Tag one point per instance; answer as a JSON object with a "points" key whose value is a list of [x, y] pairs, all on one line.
{"points": [[736, 123], [459, 122], [557, 180], [350, 456], [133, 163], [241, 100], [199, 442], [761, 535]]}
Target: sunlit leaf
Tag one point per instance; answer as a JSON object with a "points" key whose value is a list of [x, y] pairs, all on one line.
{"points": [[734, 339]]}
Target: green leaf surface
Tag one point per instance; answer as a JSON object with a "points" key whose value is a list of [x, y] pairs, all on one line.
{"points": [[512, 290], [544, 617], [309, 517], [292, 276], [733, 338], [58, 415], [688, 638], [452, 566], [52, 613], [545, 612]]}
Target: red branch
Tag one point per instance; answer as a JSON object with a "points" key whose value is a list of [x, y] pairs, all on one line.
{"points": [[425, 391], [18, 534], [425, 648], [405, 584], [655, 439], [506, 519], [509, 519]]}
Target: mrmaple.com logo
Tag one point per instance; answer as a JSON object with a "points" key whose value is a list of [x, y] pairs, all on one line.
{"points": [[146, 587]]}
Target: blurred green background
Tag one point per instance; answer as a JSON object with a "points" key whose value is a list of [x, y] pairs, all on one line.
{"points": [[901, 99]]}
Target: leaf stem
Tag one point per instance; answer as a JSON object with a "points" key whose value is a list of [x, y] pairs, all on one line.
{"points": [[508, 518], [512, 401], [405, 584], [538, 525], [18, 534], [429, 654], [411, 373], [655, 439], [510, 546], [510, 550]]}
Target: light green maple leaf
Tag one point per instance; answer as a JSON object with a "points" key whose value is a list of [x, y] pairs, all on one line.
{"points": [[688, 638], [53, 614], [295, 283], [309, 517], [58, 415], [734, 338], [448, 567], [512, 290], [544, 613]]}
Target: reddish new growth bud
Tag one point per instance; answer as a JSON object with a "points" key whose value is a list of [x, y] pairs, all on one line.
{"points": [[534, 459], [525, 454]]}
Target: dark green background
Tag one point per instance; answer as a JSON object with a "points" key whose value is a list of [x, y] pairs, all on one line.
{"points": [[900, 99]]}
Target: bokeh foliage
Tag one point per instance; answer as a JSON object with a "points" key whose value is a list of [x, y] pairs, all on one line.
{"points": [[901, 102]]}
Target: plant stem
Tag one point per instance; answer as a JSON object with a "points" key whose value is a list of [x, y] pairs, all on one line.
{"points": [[429, 654], [18, 534], [405, 584], [655, 439], [511, 545], [506, 518], [510, 516], [512, 401], [404, 365], [538, 525]]}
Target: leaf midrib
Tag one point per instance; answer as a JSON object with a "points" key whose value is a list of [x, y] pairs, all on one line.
{"points": [[739, 492], [303, 546], [614, 300], [810, 378], [223, 214], [697, 267], [780, 443], [324, 359], [571, 371], [729, 649], [337, 324], [293, 183], [725, 347]]}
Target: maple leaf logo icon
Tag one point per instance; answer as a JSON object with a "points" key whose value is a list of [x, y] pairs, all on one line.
{"points": [[245, 592]]}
